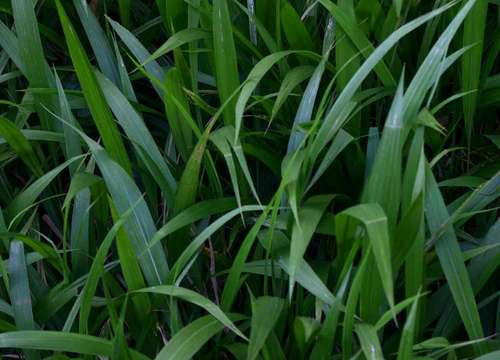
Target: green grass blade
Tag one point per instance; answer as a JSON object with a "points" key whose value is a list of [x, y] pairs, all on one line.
{"points": [[291, 80], [93, 94], [370, 343], [138, 133], [375, 221], [252, 81], [451, 261], [177, 40], [60, 342], [140, 226], [140, 52], [181, 132], [306, 107], [294, 29], [20, 295], [330, 124], [96, 270], [188, 254], [21, 146], [357, 36], [10, 44], [473, 34], [25, 200], [188, 341], [266, 311], [197, 299], [226, 67], [98, 41], [408, 335], [309, 217]]}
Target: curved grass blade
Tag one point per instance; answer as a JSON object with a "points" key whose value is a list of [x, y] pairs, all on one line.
{"points": [[375, 222], [21, 146], [408, 335], [98, 41], [61, 342], [359, 39], [189, 340], [178, 39], [330, 124], [24, 200], [93, 94], [97, 269], [197, 299], [309, 217], [140, 52], [143, 141]]}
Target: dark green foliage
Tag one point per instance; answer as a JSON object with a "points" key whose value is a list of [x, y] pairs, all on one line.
{"points": [[249, 179]]}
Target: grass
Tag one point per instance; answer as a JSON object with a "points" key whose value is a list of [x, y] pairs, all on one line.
{"points": [[229, 179]]}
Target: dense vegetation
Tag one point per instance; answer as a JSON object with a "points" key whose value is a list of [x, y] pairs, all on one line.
{"points": [[230, 179]]}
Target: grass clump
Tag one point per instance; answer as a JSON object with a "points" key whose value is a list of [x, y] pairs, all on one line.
{"points": [[278, 179]]}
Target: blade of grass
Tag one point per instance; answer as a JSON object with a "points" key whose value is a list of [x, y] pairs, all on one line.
{"points": [[226, 67], [266, 311], [188, 341], [20, 295], [61, 342], [473, 33], [93, 94], [98, 41], [197, 299], [451, 261]]}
